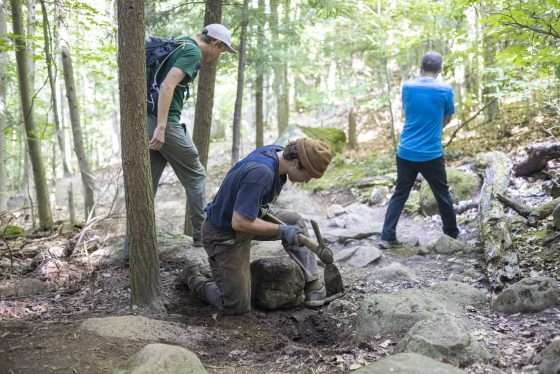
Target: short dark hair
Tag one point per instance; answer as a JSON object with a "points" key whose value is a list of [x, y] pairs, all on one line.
{"points": [[290, 151], [432, 62], [207, 39]]}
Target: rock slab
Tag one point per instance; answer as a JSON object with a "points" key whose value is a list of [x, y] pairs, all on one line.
{"points": [[529, 295], [408, 363], [277, 283], [162, 359]]}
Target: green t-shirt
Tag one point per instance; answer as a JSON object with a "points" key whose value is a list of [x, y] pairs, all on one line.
{"points": [[186, 58]]}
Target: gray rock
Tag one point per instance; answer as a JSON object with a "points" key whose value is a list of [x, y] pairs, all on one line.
{"points": [[396, 313], [344, 254], [549, 358], [394, 272], [162, 359], [408, 363], [444, 339], [447, 245], [462, 186], [22, 287], [140, 328], [529, 295], [335, 210], [363, 256], [341, 306], [278, 282], [378, 195]]}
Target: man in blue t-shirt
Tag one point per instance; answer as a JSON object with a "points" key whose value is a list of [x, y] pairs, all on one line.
{"points": [[235, 217], [428, 107]]}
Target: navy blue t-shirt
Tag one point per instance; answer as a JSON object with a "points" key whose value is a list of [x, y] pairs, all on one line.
{"points": [[252, 183]]}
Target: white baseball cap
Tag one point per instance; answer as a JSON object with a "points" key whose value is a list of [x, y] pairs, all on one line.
{"points": [[221, 33]]}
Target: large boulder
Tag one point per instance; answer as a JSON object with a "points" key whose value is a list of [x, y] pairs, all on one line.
{"points": [[396, 313], [549, 358], [22, 287], [462, 186], [162, 359], [278, 282], [140, 328], [529, 295], [447, 245], [408, 363], [394, 272], [444, 338], [363, 256]]}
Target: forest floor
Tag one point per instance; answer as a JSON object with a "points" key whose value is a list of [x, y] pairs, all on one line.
{"points": [[41, 334]]}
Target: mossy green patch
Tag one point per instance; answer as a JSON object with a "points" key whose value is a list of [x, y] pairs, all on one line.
{"points": [[13, 232], [344, 172], [335, 138]]}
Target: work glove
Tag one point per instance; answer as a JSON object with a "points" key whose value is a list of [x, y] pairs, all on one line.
{"points": [[289, 235]]}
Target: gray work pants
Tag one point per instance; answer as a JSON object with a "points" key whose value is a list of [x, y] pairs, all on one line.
{"points": [[180, 151], [229, 259]]}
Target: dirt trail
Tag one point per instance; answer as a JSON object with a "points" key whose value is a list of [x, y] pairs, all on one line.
{"points": [[40, 335]]}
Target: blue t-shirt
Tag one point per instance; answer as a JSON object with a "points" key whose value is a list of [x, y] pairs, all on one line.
{"points": [[425, 103], [252, 183]]}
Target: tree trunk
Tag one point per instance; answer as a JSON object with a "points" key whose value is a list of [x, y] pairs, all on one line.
{"points": [[140, 228], [59, 130], [44, 209], [259, 81], [3, 83], [388, 84], [205, 90], [537, 156], [489, 90], [501, 262], [352, 129], [533, 215], [277, 65], [30, 34], [284, 99], [204, 100], [87, 177], [240, 83]]}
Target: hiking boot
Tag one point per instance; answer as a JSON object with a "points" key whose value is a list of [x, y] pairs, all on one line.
{"points": [[389, 244], [197, 243], [315, 294]]}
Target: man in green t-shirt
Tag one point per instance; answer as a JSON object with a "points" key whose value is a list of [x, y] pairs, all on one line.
{"points": [[169, 139]]}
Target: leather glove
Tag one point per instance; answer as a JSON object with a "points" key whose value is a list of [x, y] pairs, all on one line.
{"points": [[289, 235]]}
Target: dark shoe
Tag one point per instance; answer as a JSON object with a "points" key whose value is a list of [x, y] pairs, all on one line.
{"points": [[315, 294], [197, 243], [389, 244]]}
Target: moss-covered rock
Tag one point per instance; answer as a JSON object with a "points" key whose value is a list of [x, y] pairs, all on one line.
{"points": [[12, 232], [335, 138], [462, 186]]}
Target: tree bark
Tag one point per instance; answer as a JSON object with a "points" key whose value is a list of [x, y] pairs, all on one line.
{"points": [[352, 129], [43, 205], [259, 81], [489, 89], [87, 177], [3, 83], [533, 215], [501, 263], [284, 99], [240, 83], [204, 101], [537, 156], [277, 65], [141, 232], [205, 90]]}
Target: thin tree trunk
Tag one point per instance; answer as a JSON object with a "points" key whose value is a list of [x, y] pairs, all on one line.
{"points": [[29, 46], [388, 83], [87, 177], [259, 81], [240, 84], [44, 209], [50, 62], [489, 77], [352, 129], [284, 98], [3, 83], [205, 91], [204, 100], [277, 65], [141, 228]]}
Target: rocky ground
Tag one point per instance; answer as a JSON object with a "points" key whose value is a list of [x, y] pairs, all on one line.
{"points": [[424, 308]]}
